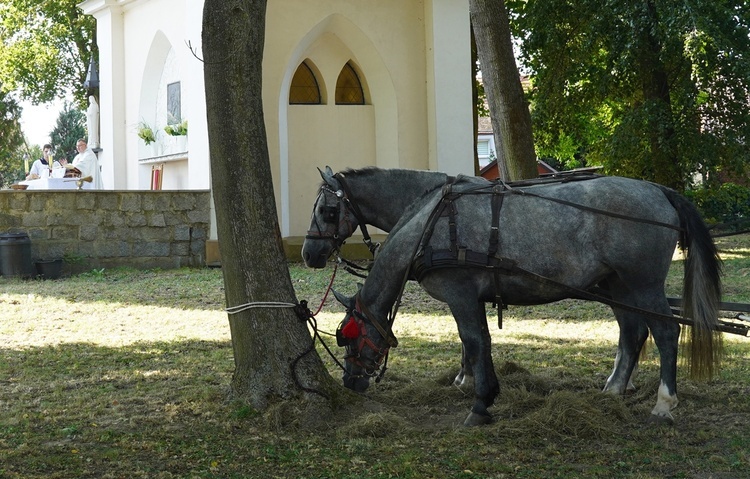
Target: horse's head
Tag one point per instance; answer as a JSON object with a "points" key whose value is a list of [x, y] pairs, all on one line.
{"points": [[367, 342], [332, 222]]}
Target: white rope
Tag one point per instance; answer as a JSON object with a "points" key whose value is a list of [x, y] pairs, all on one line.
{"points": [[259, 304]]}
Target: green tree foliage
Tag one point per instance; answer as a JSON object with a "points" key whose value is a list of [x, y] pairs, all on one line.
{"points": [[70, 126], [11, 139], [654, 89], [46, 48]]}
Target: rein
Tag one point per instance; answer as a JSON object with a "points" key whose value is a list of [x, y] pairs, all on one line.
{"points": [[373, 247]]}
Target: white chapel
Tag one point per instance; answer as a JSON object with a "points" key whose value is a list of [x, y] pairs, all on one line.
{"points": [[347, 83]]}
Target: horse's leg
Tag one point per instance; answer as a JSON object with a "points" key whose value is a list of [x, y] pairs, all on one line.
{"points": [[471, 318], [666, 335], [633, 334], [465, 377]]}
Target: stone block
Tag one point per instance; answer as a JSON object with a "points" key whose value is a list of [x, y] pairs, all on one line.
{"points": [[181, 233], [86, 200], [64, 232], [157, 219], [108, 201], [157, 201], [88, 232], [180, 249], [130, 202], [151, 249], [137, 219]]}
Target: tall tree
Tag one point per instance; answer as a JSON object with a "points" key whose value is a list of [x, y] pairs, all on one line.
{"points": [[649, 89], [46, 48], [267, 342], [509, 111], [11, 139], [70, 126]]}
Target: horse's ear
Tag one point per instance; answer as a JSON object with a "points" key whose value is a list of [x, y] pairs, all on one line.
{"points": [[345, 300], [327, 176]]}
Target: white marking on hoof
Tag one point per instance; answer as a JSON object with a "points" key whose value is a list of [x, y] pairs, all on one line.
{"points": [[466, 384], [612, 386], [665, 402]]}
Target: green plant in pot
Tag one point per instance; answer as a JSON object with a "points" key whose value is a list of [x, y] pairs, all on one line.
{"points": [[145, 132], [177, 129]]}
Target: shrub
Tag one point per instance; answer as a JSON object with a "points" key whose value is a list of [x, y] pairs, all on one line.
{"points": [[727, 204]]}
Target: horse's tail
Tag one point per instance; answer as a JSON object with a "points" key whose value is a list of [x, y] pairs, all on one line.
{"points": [[701, 291]]}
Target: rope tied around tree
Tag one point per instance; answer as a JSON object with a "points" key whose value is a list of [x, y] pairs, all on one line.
{"points": [[304, 313]]}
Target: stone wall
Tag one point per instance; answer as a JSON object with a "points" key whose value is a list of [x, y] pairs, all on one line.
{"points": [[106, 229]]}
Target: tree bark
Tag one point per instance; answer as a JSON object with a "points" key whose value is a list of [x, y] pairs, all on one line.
{"points": [[511, 120], [266, 341], [666, 168]]}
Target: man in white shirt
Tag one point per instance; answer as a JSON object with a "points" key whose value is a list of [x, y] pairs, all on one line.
{"points": [[87, 163], [41, 167]]}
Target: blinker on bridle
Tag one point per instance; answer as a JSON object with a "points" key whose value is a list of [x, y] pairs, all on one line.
{"points": [[330, 217]]}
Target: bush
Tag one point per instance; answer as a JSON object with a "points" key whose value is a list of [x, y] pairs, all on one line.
{"points": [[729, 203]]}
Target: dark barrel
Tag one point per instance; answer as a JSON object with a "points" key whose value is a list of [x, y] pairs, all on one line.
{"points": [[15, 255]]}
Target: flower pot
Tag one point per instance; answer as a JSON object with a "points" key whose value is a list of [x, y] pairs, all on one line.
{"points": [[49, 269]]}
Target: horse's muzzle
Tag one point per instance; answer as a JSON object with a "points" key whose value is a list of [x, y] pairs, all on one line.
{"points": [[356, 383], [314, 260]]}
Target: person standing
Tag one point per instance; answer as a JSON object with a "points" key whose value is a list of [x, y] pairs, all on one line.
{"points": [[87, 164], [41, 167]]}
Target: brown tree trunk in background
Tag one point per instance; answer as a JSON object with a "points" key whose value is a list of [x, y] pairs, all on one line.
{"points": [[266, 341], [475, 101], [666, 168], [511, 120]]}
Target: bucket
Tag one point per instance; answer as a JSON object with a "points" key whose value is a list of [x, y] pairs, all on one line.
{"points": [[15, 255], [49, 269]]}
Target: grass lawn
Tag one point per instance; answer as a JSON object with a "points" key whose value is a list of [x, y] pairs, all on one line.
{"points": [[124, 374]]}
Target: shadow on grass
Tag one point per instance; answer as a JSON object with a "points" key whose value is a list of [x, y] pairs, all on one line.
{"points": [[160, 409]]}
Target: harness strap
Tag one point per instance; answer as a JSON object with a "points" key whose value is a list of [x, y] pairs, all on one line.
{"points": [[596, 210], [507, 266], [386, 333], [497, 203], [357, 214]]}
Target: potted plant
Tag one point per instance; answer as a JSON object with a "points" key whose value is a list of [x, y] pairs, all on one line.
{"points": [[177, 129], [145, 132]]}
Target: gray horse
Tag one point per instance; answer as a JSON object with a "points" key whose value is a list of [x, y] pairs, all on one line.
{"points": [[610, 238], [376, 197], [368, 196]]}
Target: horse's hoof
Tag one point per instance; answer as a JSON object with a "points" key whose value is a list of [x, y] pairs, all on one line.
{"points": [[660, 419], [474, 419]]}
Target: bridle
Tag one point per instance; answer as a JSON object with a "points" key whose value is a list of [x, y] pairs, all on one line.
{"points": [[334, 222], [352, 334]]}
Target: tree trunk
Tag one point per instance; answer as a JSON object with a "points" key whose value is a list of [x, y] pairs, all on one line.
{"points": [[511, 120], [475, 102], [665, 164], [266, 341]]}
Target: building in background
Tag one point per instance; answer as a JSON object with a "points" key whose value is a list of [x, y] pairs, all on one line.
{"points": [[347, 83]]}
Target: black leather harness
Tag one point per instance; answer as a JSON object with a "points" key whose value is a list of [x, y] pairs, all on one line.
{"points": [[428, 258]]}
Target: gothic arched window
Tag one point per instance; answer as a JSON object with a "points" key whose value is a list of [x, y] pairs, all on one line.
{"points": [[349, 88], [304, 89]]}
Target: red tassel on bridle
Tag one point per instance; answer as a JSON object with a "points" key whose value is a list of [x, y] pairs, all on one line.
{"points": [[351, 329]]}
